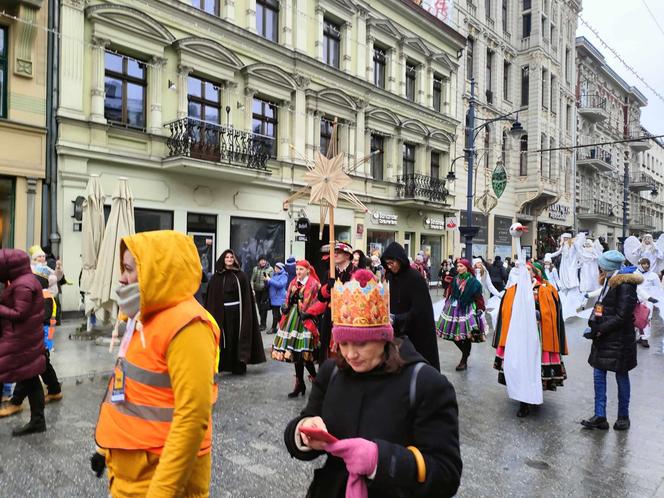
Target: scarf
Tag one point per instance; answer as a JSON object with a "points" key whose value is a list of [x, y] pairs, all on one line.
{"points": [[465, 287]]}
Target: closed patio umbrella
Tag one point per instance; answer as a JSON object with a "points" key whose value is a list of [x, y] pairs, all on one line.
{"points": [[120, 224], [93, 231]]}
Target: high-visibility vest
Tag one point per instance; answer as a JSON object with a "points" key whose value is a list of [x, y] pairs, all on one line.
{"points": [[143, 420]]}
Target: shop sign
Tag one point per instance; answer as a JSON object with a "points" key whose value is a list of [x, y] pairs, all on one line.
{"points": [[482, 222], [501, 231], [359, 230], [385, 218], [434, 224], [303, 225], [451, 223], [558, 212], [301, 238]]}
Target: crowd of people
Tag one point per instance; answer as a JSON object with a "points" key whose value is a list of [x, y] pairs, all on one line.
{"points": [[366, 334]]}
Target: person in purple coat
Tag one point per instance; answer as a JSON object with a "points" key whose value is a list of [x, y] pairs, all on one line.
{"points": [[22, 357]]}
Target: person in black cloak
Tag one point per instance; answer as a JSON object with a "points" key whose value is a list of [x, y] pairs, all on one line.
{"points": [[410, 303], [230, 301]]}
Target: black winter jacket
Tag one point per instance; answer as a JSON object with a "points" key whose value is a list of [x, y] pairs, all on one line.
{"points": [[410, 302], [498, 275], [614, 345], [376, 406]]}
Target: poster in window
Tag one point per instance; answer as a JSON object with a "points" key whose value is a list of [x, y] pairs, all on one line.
{"points": [[252, 238], [205, 245]]}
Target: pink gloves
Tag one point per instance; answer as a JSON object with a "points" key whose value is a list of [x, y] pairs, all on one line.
{"points": [[361, 459]]}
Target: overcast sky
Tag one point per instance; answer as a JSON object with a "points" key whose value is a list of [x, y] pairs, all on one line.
{"points": [[629, 29]]}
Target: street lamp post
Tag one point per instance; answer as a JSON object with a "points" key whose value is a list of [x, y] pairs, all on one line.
{"points": [[469, 231]]}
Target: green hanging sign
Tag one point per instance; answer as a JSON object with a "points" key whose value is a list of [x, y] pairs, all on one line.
{"points": [[499, 180]]}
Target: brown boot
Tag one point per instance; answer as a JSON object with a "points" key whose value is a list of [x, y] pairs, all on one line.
{"points": [[10, 409], [53, 397]]}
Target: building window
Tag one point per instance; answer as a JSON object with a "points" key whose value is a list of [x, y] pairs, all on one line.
{"points": [[525, 85], [124, 86], [503, 149], [523, 156], [204, 100], [437, 92], [326, 127], [544, 157], [264, 121], [209, 6], [331, 43], [545, 93], [487, 146], [408, 159], [504, 18], [435, 165], [552, 94], [148, 220], [380, 62], [411, 76], [527, 4], [470, 47], [568, 119], [526, 25], [3, 72], [507, 69], [567, 65], [377, 155], [489, 77], [267, 19], [487, 9]]}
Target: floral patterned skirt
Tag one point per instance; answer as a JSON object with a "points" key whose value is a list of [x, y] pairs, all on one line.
{"points": [[458, 323], [294, 341]]}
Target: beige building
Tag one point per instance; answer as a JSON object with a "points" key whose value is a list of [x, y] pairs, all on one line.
{"points": [[521, 56], [22, 121], [211, 109], [610, 110]]}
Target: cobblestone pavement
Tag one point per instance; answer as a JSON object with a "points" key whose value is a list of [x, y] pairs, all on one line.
{"points": [[547, 454]]}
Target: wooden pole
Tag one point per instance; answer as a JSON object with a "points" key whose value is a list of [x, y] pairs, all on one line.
{"points": [[332, 244]]}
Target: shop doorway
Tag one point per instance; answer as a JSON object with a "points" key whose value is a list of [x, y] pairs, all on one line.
{"points": [[203, 229], [432, 246], [314, 243]]}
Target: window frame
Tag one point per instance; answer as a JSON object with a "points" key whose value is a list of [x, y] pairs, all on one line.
{"points": [[407, 160], [505, 14], [200, 5], [331, 38], [470, 58], [526, 25], [411, 80], [380, 66], [265, 5], [437, 93], [488, 77], [377, 158], [327, 136], [507, 69], [4, 66], [525, 85], [203, 101], [487, 9], [523, 158], [434, 164], [264, 119], [126, 78]]}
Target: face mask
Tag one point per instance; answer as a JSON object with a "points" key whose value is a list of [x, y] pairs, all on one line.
{"points": [[129, 299]]}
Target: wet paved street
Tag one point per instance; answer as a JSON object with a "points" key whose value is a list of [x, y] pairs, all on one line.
{"points": [[547, 454]]}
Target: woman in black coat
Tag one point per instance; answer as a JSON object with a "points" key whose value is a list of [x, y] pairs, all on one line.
{"points": [[396, 419], [410, 303], [614, 342]]}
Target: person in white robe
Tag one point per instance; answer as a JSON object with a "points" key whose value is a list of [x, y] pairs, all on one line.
{"points": [[571, 298], [649, 293], [552, 272], [489, 292], [589, 253], [646, 248]]}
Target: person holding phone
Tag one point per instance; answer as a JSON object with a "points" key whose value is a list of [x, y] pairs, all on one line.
{"points": [[387, 420]]}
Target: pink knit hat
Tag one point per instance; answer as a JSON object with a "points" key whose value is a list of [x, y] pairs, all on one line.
{"points": [[361, 310]]}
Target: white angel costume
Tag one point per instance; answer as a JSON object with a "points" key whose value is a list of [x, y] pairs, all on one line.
{"points": [[571, 298], [489, 292], [589, 253], [551, 272], [649, 289], [654, 251]]}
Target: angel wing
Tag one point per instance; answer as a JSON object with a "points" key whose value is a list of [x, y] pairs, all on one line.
{"points": [[632, 249], [659, 244], [599, 249], [579, 240]]}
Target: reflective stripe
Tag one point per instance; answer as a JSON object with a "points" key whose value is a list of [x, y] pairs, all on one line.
{"points": [[147, 377], [234, 303], [144, 412]]}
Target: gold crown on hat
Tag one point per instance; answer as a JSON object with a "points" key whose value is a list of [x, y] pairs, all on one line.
{"points": [[357, 306]]}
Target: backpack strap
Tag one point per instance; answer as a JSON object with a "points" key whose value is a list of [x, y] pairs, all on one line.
{"points": [[414, 373]]}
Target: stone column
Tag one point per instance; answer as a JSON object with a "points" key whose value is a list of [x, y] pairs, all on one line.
{"points": [[72, 54], [392, 83], [349, 150], [183, 91], [251, 16], [446, 97], [97, 81], [394, 168], [347, 47], [283, 130], [300, 38], [301, 121], [155, 90], [401, 72], [228, 11], [320, 20], [26, 29], [309, 135], [31, 192], [425, 85], [366, 144], [361, 34], [248, 105], [369, 62], [360, 144], [286, 23]]}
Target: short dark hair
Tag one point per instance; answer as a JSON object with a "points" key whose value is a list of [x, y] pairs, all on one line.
{"points": [[393, 362]]}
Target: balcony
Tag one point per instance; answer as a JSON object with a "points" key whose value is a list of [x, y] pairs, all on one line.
{"points": [[641, 222], [472, 9], [596, 158], [536, 191], [592, 108], [421, 188], [525, 43], [639, 145], [595, 209], [214, 143], [490, 22], [639, 182]]}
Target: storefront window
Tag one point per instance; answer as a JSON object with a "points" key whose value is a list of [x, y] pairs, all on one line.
{"points": [[6, 212], [432, 246], [378, 240], [202, 228], [252, 238]]}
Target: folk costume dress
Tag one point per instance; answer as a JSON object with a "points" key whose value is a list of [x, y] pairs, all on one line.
{"points": [[550, 326], [462, 316], [298, 337]]}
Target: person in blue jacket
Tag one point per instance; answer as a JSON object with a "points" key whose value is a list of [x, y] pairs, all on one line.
{"points": [[276, 286], [289, 267]]}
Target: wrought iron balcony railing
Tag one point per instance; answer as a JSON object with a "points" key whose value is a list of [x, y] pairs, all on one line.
{"points": [[596, 207], [421, 187], [589, 101], [594, 153], [213, 142]]}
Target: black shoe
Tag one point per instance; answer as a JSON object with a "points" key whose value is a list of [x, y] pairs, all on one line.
{"points": [[271, 331], [262, 327], [622, 424], [300, 388], [596, 422], [463, 365], [644, 343], [29, 428], [524, 410]]}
